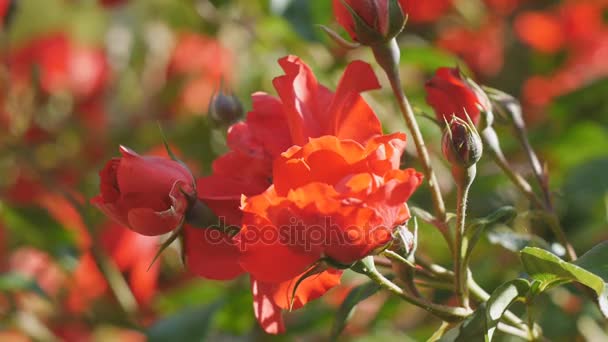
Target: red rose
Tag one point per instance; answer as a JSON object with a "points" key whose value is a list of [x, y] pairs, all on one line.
{"points": [[375, 13], [304, 109], [451, 94], [145, 194], [331, 198]]}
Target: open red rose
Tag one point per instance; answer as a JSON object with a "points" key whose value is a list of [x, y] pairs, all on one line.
{"points": [[331, 198], [145, 194], [375, 13], [269, 299], [304, 109], [449, 93]]}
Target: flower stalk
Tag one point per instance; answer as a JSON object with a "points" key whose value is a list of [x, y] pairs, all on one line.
{"points": [[464, 178], [446, 313], [387, 55]]}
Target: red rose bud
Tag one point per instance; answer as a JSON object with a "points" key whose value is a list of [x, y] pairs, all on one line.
{"points": [[451, 94], [371, 22], [149, 195], [461, 144], [226, 109]]}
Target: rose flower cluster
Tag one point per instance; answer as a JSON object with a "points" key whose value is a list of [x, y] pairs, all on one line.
{"points": [[310, 186]]}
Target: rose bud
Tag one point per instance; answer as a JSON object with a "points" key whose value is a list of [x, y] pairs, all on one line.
{"points": [[371, 22], [461, 144], [150, 195], [225, 109], [452, 94]]}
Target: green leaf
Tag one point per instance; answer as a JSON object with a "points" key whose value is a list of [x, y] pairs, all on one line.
{"points": [[477, 227], [596, 260], [187, 325], [481, 325], [552, 271], [514, 241], [354, 297]]}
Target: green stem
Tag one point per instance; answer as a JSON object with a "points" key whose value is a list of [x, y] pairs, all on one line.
{"points": [[387, 56], [447, 313], [492, 145], [476, 291], [398, 258], [464, 178]]}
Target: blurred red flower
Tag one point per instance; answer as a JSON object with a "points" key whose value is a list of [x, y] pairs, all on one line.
{"points": [[133, 254], [203, 64], [4, 4], [482, 49], [424, 11], [449, 93], [147, 194], [542, 31], [60, 64], [53, 67]]}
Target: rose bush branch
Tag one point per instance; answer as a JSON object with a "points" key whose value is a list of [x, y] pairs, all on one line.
{"points": [[510, 110], [462, 147], [377, 28], [387, 57], [447, 313]]}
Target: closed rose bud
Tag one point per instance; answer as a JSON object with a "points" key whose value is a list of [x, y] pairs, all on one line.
{"points": [[149, 195], [461, 144], [226, 109], [371, 22], [450, 93]]}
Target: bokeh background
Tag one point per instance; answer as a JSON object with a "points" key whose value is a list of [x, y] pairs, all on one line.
{"points": [[80, 77]]}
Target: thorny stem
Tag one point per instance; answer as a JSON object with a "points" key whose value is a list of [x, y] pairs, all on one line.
{"points": [[464, 178], [387, 56]]}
